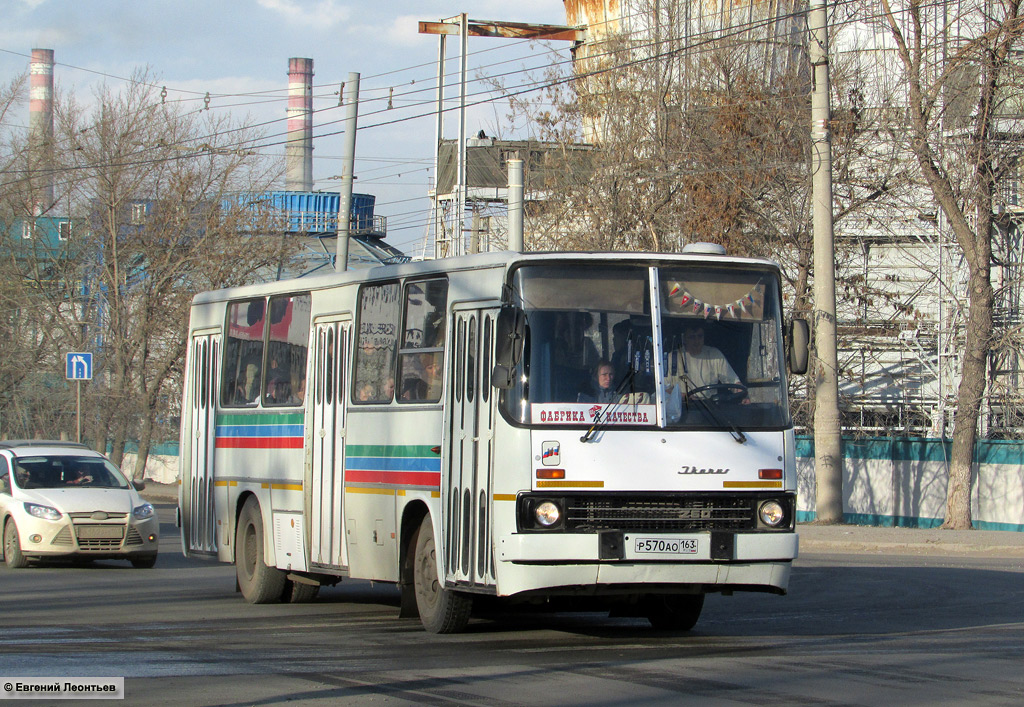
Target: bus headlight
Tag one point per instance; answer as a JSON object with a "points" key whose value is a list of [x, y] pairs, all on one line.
{"points": [[547, 514], [772, 514]]}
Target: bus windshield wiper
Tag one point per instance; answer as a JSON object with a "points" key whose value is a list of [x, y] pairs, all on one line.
{"points": [[736, 432], [600, 423]]}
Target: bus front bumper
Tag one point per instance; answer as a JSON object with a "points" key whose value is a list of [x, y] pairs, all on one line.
{"points": [[705, 561]]}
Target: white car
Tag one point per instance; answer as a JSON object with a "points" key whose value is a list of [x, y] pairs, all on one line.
{"points": [[63, 500]]}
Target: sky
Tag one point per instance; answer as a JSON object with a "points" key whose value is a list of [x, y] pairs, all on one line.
{"points": [[238, 51]]}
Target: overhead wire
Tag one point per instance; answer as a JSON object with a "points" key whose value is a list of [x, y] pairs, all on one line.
{"points": [[518, 90]]}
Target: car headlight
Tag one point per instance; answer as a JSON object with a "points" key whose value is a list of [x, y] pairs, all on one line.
{"points": [[547, 513], [144, 511], [44, 512], [772, 514]]}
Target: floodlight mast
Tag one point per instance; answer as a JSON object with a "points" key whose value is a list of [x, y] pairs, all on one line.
{"points": [[454, 244]]}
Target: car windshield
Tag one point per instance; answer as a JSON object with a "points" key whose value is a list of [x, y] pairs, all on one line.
{"points": [[704, 352], [67, 471]]}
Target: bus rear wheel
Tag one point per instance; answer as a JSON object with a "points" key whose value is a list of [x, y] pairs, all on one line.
{"points": [[299, 592], [674, 612], [259, 583], [441, 610]]}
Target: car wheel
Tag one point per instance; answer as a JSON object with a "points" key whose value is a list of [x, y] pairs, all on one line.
{"points": [[674, 612], [143, 562], [259, 583], [441, 610], [12, 547]]}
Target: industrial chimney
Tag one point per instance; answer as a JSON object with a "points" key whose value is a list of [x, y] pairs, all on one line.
{"points": [[299, 148], [41, 127]]}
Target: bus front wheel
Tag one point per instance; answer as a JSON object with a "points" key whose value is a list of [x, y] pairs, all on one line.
{"points": [[441, 610], [259, 583]]}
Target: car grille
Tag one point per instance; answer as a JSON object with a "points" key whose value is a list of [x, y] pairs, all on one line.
{"points": [[99, 536], [87, 515], [133, 537], [63, 537]]}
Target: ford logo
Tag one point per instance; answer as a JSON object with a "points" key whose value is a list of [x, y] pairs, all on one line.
{"points": [[99, 515]]}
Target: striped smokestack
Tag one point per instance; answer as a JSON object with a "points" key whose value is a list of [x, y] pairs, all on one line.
{"points": [[299, 149], [41, 126]]}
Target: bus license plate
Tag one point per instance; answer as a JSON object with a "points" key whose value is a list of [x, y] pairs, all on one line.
{"points": [[665, 546]]}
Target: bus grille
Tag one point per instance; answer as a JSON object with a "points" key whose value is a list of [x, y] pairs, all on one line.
{"points": [[632, 513]]}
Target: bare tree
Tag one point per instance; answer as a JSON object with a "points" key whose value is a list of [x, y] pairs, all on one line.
{"points": [[960, 80], [149, 189]]}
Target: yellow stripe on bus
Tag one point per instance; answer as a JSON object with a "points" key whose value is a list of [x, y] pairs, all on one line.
{"points": [[282, 487], [377, 492], [225, 483], [560, 484], [752, 484], [433, 494], [504, 497]]}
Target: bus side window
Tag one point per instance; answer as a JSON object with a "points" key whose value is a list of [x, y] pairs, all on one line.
{"points": [[374, 364], [243, 353], [421, 358], [284, 380]]}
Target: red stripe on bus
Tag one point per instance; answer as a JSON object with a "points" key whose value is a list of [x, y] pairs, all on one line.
{"points": [[397, 478], [259, 443]]}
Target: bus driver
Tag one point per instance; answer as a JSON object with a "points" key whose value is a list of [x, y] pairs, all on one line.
{"points": [[696, 365]]}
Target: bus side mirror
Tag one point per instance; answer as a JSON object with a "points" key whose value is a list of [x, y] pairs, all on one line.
{"points": [[509, 336], [799, 339]]}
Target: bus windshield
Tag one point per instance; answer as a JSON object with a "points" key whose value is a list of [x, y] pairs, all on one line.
{"points": [[704, 352]]}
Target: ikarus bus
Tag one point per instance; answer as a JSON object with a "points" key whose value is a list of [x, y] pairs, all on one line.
{"points": [[608, 428]]}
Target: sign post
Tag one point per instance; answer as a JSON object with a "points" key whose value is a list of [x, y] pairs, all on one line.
{"points": [[78, 367]]}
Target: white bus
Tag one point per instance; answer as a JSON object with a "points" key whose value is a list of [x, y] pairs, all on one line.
{"points": [[449, 426]]}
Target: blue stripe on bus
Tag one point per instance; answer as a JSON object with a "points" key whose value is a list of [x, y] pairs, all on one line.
{"points": [[393, 463]]}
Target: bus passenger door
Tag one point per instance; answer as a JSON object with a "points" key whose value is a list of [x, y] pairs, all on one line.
{"points": [[469, 474], [326, 498], [200, 519]]}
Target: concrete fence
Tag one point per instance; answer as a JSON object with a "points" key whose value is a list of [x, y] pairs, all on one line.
{"points": [[886, 481], [902, 482]]}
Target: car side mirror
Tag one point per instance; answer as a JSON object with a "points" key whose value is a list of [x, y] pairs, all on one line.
{"points": [[139, 484], [799, 340]]}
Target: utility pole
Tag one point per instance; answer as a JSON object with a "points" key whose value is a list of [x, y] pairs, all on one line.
{"points": [[515, 205], [348, 165], [828, 453]]}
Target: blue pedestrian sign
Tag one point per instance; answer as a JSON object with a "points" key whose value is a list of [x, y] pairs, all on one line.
{"points": [[79, 367]]}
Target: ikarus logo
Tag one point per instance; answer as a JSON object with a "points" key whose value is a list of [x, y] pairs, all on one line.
{"points": [[701, 470]]}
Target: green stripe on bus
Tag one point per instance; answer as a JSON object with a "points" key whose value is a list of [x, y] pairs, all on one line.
{"points": [[260, 418], [389, 450]]}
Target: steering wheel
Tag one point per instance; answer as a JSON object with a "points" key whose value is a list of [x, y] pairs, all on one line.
{"points": [[722, 392]]}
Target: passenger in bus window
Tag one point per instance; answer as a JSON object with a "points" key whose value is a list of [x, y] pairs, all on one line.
{"points": [[432, 376], [620, 349], [389, 388], [298, 395], [277, 392], [573, 346], [602, 387], [364, 392], [696, 365]]}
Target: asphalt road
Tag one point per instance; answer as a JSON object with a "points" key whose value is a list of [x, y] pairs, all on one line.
{"points": [[862, 625]]}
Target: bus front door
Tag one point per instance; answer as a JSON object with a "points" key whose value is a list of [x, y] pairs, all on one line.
{"points": [[469, 472], [327, 469], [199, 520]]}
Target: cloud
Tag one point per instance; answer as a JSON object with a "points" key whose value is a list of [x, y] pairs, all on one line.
{"points": [[321, 14], [404, 31]]}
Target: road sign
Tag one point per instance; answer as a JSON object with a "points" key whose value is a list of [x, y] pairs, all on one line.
{"points": [[78, 367]]}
